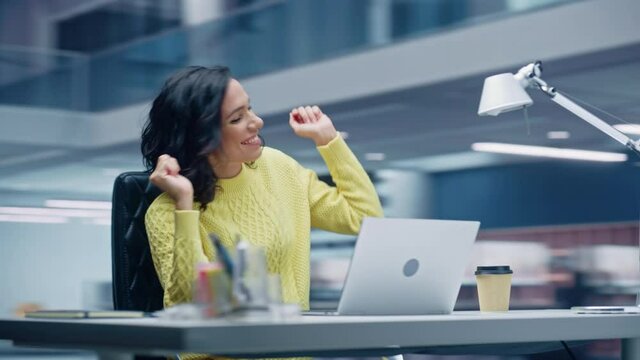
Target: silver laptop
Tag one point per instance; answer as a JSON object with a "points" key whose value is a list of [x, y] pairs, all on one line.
{"points": [[407, 266]]}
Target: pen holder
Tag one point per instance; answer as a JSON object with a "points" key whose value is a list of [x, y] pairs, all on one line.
{"points": [[212, 290], [250, 277]]}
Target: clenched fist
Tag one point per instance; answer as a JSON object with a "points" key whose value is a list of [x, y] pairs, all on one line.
{"points": [[311, 123], [167, 177]]}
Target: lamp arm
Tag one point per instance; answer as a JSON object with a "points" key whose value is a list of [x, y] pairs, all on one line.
{"points": [[585, 115], [529, 76]]}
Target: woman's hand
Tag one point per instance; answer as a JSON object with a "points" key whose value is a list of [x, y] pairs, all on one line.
{"points": [[311, 123], [167, 177]]}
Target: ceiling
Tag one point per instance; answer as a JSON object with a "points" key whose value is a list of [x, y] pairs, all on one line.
{"points": [[413, 127], [428, 128]]}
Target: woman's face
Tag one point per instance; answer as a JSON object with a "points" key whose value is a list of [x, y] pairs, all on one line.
{"points": [[240, 127]]}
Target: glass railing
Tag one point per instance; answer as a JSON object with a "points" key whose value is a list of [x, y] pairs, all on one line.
{"points": [[49, 79], [272, 36]]}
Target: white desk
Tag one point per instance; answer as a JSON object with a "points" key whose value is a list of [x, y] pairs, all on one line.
{"points": [[325, 336]]}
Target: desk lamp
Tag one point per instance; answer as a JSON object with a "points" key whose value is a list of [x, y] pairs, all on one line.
{"points": [[506, 92]]}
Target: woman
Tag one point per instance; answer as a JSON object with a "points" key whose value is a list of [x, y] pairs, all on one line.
{"points": [[202, 142]]}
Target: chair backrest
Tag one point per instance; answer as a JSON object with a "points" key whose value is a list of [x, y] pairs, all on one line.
{"points": [[135, 282]]}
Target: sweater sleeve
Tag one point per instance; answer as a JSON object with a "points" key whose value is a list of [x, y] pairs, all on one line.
{"points": [[341, 208], [175, 247]]}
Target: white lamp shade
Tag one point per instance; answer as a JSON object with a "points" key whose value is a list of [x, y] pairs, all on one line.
{"points": [[502, 93]]}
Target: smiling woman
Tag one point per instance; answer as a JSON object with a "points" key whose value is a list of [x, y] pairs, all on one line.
{"points": [[240, 126], [202, 144]]}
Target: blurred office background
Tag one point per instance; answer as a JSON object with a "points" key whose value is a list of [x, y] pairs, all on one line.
{"points": [[401, 79]]}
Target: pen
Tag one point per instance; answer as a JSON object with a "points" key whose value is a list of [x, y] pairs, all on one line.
{"points": [[239, 279], [223, 254]]}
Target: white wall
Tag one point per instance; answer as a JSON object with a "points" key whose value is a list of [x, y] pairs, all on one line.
{"points": [[48, 264]]}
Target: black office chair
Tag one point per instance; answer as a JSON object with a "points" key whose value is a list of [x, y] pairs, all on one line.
{"points": [[135, 282]]}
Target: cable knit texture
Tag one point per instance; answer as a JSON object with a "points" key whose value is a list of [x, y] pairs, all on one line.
{"points": [[273, 203]]}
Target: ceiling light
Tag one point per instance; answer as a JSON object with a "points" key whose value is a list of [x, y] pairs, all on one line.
{"points": [[33, 219], [549, 152], [35, 211], [452, 162], [374, 156], [77, 204], [558, 135], [631, 129]]}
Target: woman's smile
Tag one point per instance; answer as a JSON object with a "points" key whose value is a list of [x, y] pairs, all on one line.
{"points": [[252, 141]]}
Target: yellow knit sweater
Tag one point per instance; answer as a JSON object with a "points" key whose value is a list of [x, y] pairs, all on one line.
{"points": [[273, 203]]}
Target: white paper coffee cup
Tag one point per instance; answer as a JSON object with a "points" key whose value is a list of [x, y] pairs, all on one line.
{"points": [[494, 287]]}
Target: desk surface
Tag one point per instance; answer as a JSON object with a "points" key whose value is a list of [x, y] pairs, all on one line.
{"points": [[320, 335]]}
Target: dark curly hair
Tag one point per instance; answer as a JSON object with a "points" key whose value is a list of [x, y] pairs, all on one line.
{"points": [[184, 122]]}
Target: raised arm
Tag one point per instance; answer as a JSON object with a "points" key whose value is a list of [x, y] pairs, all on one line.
{"points": [[340, 208], [343, 207]]}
